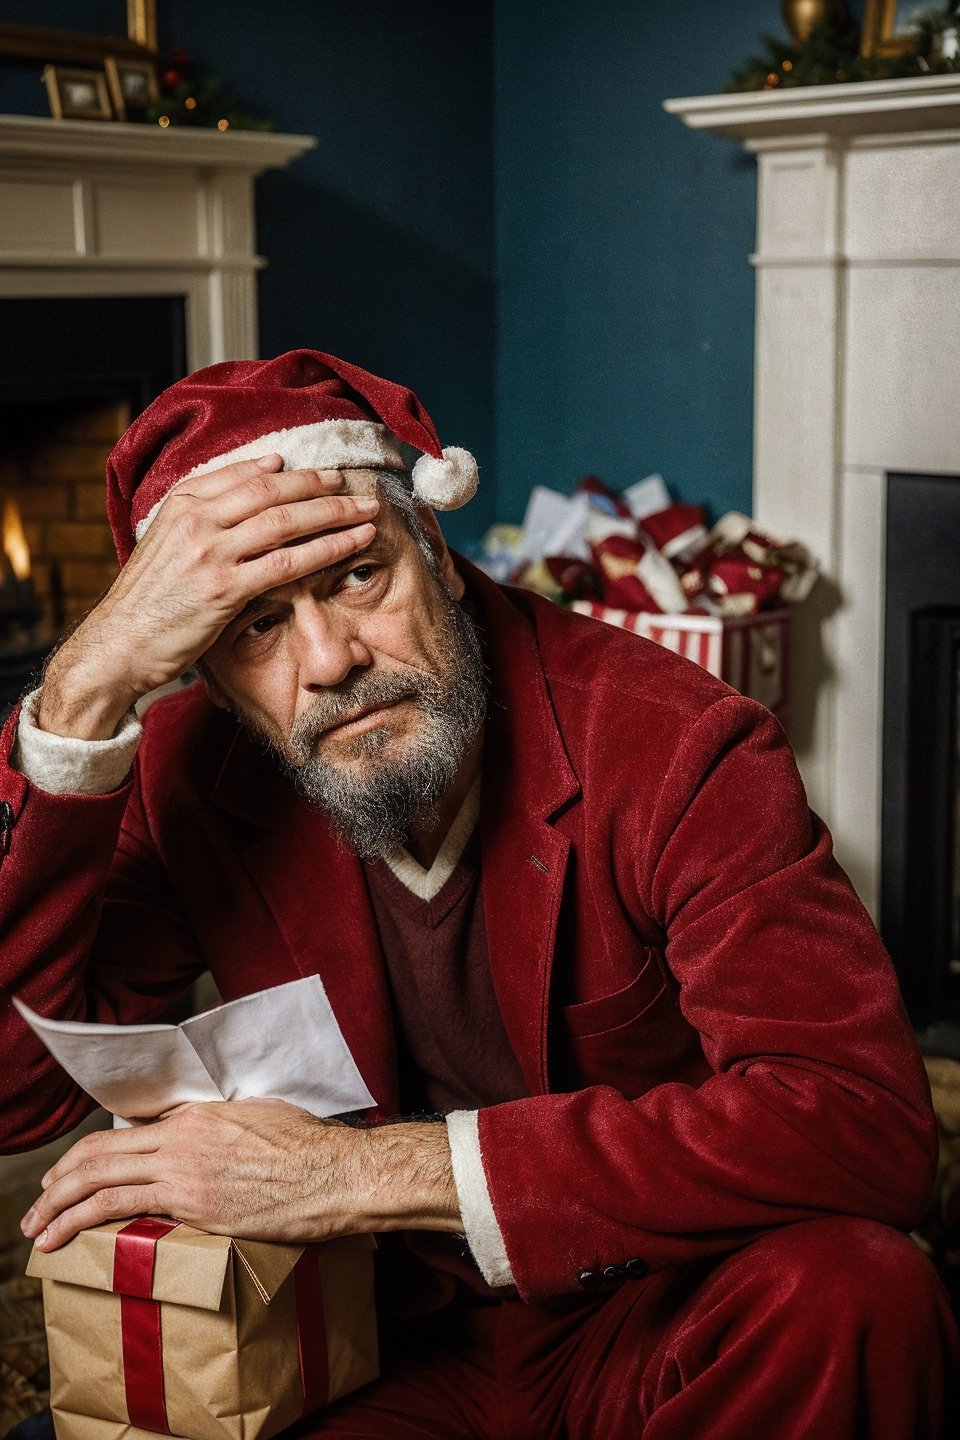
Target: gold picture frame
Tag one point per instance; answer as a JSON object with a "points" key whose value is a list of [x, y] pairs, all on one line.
{"points": [[133, 85], [77, 94], [76, 47], [886, 33]]}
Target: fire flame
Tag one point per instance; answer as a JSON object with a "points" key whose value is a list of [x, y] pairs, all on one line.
{"points": [[15, 545]]}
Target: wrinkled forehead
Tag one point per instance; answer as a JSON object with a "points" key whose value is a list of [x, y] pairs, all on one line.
{"points": [[391, 520], [364, 482]]}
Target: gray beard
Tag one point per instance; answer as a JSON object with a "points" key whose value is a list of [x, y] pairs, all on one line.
{"points": [[376, 811]]}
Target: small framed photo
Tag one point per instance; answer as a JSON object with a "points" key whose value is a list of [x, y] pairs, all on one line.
{"points": [[77, 94], [888, 27], [133, 85]]}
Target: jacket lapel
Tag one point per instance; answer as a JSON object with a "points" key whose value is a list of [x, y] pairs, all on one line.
{"points": [[527, 779]]}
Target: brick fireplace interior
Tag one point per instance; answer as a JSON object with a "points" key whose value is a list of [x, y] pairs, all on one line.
{"points": [[52, 469]]}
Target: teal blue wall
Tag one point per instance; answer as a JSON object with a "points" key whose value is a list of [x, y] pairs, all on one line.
{"points": [[379, 240], [624, 294]]}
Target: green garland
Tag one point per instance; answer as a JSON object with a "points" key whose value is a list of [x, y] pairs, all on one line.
{"points": [[189, 98], [212, 105], [832, 56]]}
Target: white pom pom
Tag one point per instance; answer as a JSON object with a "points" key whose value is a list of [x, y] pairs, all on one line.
{"points": [[448, 483]]}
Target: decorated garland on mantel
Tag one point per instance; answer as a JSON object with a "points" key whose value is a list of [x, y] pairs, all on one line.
{"points": [[189, 97], [831, 56]]}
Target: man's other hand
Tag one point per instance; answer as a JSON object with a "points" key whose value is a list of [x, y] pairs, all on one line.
{"points": [[217, 541], [255, 1169]]}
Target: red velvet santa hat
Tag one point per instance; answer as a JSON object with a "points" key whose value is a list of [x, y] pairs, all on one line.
{"points": [[315, 411]]}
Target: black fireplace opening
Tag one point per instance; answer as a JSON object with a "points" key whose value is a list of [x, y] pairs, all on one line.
{"points": [[91, 348], [73, 373], [920, 867]]}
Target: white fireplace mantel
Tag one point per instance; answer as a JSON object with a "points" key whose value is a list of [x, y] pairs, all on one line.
{"points": [[94, 209], [857, 375]]}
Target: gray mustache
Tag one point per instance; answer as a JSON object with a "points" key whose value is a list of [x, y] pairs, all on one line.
{"points": [[335, 706]]}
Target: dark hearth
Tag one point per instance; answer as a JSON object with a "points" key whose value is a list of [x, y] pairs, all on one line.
{"points": [[920, 878]]}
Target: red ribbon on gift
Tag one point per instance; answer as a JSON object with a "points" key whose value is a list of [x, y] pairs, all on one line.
{"points": [[134, 1256], [311, 1331]]}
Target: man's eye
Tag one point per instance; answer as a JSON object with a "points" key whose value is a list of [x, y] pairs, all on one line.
{"points": [[261, 626], [360, 574]]}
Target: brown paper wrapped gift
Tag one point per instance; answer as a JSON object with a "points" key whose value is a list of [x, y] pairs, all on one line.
{"points": [[154, 1328]]}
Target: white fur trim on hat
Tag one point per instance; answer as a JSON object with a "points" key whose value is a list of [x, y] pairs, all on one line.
{"points": [[448, 483], [326, 445]]}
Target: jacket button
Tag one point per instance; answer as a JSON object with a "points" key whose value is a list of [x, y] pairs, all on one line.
{"points": [[613, 1274], [590, 1279], [637, 1268]]}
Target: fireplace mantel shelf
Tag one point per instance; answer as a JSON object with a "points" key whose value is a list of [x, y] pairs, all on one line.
{"points": [[888, 107], [70, 142]]}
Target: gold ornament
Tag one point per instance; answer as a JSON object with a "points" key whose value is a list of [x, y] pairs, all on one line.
{"points": [[802, 17]]}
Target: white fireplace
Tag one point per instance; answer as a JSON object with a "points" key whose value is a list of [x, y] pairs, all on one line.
{"points": [[857, 376]]}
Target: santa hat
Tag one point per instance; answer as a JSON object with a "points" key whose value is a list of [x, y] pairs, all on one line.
{"points": [[315, 411]]}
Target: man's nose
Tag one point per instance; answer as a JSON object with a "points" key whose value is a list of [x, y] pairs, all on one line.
{"points": [[328, 648]]}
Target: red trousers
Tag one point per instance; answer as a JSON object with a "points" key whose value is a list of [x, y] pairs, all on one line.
{"points": [[826, 1330]]}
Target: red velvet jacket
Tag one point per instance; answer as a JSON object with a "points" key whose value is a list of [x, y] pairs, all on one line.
{"points": [[708, 1025]]}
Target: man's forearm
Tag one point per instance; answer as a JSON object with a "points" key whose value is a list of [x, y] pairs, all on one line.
{"points": [[411, 1184], [81, 703], [260, 1169]]}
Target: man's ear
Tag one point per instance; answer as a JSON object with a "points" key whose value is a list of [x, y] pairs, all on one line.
{"points": [[448, 572]]}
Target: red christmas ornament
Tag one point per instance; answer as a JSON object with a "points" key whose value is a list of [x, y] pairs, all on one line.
{"points": [[179, 70]]}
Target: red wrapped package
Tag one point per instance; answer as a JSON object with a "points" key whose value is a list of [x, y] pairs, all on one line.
{"points": [[577, 579], [741, 586], [678, 532]]}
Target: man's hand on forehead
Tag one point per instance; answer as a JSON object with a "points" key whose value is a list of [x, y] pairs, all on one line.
{"points": [[218, 541]]}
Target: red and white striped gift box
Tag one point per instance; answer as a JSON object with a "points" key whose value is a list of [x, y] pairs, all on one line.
{"points": [[750, 653]]}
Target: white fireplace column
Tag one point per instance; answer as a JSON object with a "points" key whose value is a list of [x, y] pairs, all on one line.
{"points": [[857, 375]]}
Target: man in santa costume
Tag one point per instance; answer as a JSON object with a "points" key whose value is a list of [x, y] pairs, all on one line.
{"points": [[629, 1030]]}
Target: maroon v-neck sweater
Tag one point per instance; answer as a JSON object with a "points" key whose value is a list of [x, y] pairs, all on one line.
{"points": [[451, 1042], [452, 1048]]}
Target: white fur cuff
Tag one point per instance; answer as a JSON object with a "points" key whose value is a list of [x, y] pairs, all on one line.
{"points": [[476, 1210], [61, 765]]}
